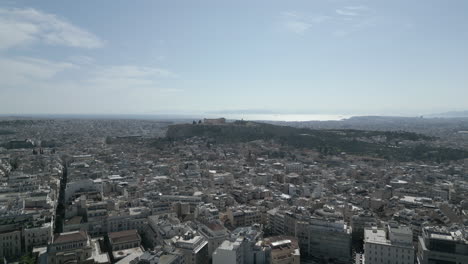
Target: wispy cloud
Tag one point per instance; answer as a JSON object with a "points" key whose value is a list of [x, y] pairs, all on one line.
{"points": [[81, 59], [298, 27], [361, 7], [298, 23], [21, 27], [354, 27], [344, 12], [352, 10], [352, 19], [24, 73], [132, 71], [340, 22], [126, 78]]}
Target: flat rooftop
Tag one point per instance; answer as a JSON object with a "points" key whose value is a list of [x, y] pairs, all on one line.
{"points": [[375, 236]]}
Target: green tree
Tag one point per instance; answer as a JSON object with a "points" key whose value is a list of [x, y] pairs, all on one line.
{"points": [[27, 259]]}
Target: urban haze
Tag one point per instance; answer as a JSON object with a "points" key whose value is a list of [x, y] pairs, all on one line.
{"points": [[234, 132]]}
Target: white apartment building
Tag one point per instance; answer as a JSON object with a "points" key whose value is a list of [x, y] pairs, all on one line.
{"points": [[229, 252], [215, 233], [391, 246], [193, 247]]}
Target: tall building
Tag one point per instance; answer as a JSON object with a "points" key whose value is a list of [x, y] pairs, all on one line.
{"points": [[439, 245], [215, 233], [230, 252], [325, 240], [276, 221], [388, 246], [360, 222], [243, 246], [194, 248]]}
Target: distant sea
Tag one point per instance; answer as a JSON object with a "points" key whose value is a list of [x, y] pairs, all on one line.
{"points": [[229, 116], [283, 117]]}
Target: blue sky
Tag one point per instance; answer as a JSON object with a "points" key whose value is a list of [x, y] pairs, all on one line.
{"points": [[315, 56]]}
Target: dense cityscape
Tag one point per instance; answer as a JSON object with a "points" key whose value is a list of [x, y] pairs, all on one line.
{"points": [[148, 191], [233, 132]]}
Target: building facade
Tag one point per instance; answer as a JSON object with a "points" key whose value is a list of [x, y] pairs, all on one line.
{"points": [[390, 246], [439, 245], [10, 244]]}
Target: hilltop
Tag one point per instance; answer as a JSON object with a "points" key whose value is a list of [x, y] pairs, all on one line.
{"points": [[392, 145]]}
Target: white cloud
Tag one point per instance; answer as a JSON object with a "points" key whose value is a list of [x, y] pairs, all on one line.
{"points": [[21, 27]]}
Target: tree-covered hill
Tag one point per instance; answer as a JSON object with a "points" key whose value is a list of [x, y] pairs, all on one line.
{"points": [[403, 146]]}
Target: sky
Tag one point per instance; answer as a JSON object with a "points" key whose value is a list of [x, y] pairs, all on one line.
{"points": [[217, 56]]}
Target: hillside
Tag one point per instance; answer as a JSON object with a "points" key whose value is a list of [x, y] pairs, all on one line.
{"points": [[403, 146]]}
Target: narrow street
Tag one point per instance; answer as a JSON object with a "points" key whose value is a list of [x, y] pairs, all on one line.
{"points": [[60, 213]]}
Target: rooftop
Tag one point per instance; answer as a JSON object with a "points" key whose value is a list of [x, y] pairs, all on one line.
{"points": [[124, 236], [228, 245], [68, 237], [375, 236]]}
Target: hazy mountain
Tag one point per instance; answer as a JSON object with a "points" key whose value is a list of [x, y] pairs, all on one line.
{"points": [[451, 114]]}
